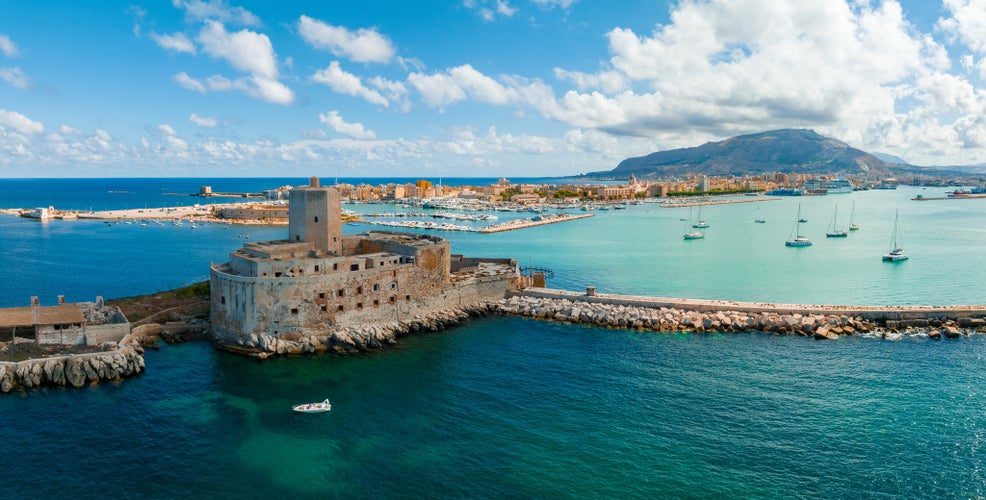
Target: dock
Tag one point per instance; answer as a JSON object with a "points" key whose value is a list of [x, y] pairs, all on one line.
{"points": [[525, 223]]}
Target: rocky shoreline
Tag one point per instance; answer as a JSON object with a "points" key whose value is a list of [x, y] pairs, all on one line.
{"points": [[663, 319], [359, 338]]}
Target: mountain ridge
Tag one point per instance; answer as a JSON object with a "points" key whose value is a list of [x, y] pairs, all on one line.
{"points": [[783, 150]]}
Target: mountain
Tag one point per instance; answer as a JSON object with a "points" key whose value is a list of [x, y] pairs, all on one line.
{"points": [[889, 158], [787, 150]]}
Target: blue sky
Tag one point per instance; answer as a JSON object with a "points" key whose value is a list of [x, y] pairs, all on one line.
{"points": [[474, 87]]}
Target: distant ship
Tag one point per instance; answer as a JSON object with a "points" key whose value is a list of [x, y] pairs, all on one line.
{"points": [[786, 192]]}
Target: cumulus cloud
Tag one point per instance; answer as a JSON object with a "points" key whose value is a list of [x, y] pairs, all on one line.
{"points": [[459, 83], [15, 77], [218, 10], [171, 137], [347, 83], [189, 83], [201, 121], [7, 46], [245, 50], [177, 42], [19, 123], [354, 130], [363, 45]]}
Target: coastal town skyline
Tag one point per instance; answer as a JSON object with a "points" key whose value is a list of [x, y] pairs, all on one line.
{"points": [[478, 88]]}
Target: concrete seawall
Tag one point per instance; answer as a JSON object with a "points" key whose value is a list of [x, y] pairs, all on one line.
{"points": [[669, 314]]}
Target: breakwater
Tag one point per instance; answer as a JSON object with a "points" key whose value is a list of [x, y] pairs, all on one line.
{"points": [[124, 360], [666, 314]]}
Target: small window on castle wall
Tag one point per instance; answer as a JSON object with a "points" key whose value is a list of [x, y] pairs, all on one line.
{"points": [[294, 310], [359, 290], [340, 308], [297, 237], [376, 287], [393, 299], [407, 297], [335, 267], [222, 300], [341, 293], [354, 267], [324, 308], [321, 295], [376, 302], [316, 218], [277, 274], [359, 305], [316, 268]]}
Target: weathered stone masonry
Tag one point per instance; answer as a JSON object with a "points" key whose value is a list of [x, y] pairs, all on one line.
{"points": [[319, 281]]}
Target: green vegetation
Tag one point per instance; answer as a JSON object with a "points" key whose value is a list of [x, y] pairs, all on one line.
{"points": [[566, 193], [202, 289]]}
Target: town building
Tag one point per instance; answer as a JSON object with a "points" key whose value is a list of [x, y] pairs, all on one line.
{"points": [[318, 279]]}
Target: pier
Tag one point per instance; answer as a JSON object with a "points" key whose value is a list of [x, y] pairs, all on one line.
{"points": [[524, 223]]}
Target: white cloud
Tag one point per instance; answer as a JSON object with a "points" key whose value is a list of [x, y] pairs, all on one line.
{"points": [[459, 83], [189, 83], [967, 23], [354, 130], [245, 50], [177, 42], [347, 83], [363, 45], [550, 4], [171, 137], [609, 82], [15, 77], [219, 10], [201, 121], [19, 123], [7, 46], [270, 90]]}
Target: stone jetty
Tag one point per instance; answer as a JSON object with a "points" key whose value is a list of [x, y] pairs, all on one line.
{"points": [[665, 315], [116, 363]]}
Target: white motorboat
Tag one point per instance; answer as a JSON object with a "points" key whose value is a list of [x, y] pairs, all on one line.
{"points": [[322, 407]]}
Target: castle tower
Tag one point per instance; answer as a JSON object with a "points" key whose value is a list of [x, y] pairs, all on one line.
{"points": [[314, 215]]}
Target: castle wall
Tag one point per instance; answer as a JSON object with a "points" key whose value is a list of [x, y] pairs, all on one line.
{"points": [[280, 305]]}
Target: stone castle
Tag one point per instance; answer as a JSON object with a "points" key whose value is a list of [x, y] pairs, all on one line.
{"points": [[318, 280]]}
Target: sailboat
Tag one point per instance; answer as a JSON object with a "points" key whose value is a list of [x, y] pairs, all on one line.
{"points": [[832, 231], [694, 235], [798, 240], [852, 212], [700, 223], [896, 253]]}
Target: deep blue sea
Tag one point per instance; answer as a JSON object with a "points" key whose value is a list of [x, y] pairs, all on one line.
{"points": [[510, 407]]}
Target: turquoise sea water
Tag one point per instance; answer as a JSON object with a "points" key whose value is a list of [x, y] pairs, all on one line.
{"points": [[519, 408]]}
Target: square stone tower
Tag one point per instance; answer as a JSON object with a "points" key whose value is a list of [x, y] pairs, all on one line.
{"points": [[315, 215]]}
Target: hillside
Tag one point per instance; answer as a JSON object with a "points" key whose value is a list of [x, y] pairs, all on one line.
{"points": [[787, 150]]}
